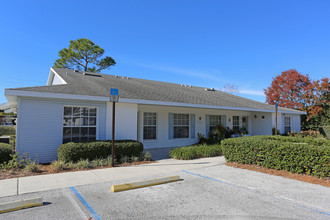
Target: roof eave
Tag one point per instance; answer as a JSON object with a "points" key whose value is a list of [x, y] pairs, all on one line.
{"points": [[22, 93]]}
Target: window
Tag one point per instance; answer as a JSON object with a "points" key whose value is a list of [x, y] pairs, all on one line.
{"points": [[181, 125], [214, 120], [287, 125], [149, 126], [79, 124], [235, 123]]}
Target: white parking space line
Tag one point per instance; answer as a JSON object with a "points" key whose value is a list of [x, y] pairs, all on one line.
{"points": [[263, 194], [85, 203], [74, 203]]}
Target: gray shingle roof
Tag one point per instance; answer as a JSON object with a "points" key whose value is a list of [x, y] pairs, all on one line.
{"points": [[134, 88]]}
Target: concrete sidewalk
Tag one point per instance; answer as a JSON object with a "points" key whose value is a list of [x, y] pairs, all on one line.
{"points": [[38, 183]]}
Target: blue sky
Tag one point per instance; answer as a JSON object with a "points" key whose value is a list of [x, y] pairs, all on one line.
{"points": [[196, 42]]}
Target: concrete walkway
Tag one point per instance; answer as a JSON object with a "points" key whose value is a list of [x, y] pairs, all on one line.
{"points": [[38, 183]]}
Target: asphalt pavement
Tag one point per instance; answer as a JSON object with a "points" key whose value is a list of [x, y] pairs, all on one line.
{"points": [[212, 192]]}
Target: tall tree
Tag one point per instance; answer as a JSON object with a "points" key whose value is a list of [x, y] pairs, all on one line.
{"points": [[288, 90], [84, 55], [317, 96], [295, 90], [317, 104]]}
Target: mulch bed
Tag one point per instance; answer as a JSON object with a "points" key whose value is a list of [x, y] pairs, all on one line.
{"points": [[47, 169], [283, 173]]}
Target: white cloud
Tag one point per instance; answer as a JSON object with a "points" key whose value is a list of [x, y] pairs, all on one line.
{"points": [[252, 92], [205, 75]]}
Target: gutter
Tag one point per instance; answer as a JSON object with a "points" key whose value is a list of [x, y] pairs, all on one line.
{"points": [[20, 93]]}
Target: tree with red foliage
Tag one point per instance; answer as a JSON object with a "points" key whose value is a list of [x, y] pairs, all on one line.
{"points": [[288, 90], [317, 97], [295, 90]]}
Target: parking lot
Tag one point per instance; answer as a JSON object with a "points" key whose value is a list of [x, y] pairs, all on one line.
{"points": [[217, 192]]}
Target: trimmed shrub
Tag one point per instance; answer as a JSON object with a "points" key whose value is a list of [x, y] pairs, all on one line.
{"points": [[75, 151], [309, 133], [146, 156], [7, 130], [5, 151], [32, 167], [83, 164], [13, 140], [194, 152], [58, 165], [325, 130], [296, 155]]}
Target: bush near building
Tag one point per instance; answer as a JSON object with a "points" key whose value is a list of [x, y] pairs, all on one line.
{"points": [[75, 151], [296, 155], [196, 151], [7, 130], [325, 130], [5, 151]]}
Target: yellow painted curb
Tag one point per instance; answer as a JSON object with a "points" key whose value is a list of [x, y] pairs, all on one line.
{"points": [[128, 186], [21, 204]]}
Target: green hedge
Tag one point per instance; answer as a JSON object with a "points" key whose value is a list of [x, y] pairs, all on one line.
{"points": [[74, 151], [325, 130], [297, 155], [7, 130], [194, 152], [5, 151]]}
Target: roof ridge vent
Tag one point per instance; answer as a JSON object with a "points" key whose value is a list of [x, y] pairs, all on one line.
{"points": [[91, 74], [122, 77]]}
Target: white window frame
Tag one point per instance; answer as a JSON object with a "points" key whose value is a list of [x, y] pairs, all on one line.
{"points": [[287, 125], [178, 125], [156, 129], [80, 126]]}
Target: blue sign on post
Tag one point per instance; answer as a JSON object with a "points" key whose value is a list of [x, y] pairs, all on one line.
{"points": [[114, 91], [114, 97], [276, 106]]}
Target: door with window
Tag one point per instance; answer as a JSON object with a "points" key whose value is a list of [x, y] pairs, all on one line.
{"points": [[236, 123]]}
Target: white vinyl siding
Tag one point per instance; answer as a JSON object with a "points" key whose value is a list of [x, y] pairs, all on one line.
{"points": [[40, 126], [57, 80], [125, 121]]}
